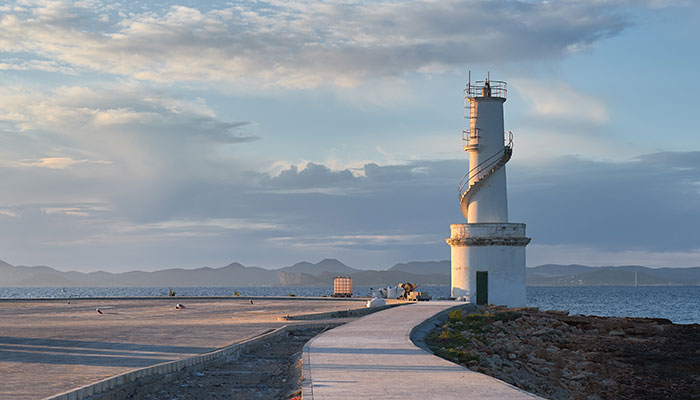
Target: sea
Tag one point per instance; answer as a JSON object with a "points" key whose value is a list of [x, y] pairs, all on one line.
{"points": [[680, 304]]}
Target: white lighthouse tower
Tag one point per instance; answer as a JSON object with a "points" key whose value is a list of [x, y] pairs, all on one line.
{"points": [[488, 252]]}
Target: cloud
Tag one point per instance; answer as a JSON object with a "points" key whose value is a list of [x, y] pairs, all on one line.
{"points": [[8, 213], [57, 162], [311, 176], [125, 145], [128, 125], [648, 203], [558, 100], [357, 242], [78, 210], [301, 44], [576, 211]]}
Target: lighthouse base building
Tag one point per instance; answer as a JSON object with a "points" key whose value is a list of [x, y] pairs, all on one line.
{"points": [[496, 253], [488, 252]]}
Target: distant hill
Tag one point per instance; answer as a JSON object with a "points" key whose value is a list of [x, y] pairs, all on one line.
{"points": [[327, 265], [581, 275], [424, 267], [323, 272], [234, 274]]}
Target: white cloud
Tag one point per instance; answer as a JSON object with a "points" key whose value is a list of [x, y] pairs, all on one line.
{"points": [[556, 99], [360, 241], [301, 44], [8, 213], [212, 223], [58, 162], [76, 211]]}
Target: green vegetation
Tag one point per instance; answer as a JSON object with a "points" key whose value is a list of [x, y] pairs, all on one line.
{"points": [[450, 340]]}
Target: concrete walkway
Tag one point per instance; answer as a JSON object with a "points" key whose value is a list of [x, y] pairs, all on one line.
{"points": [[374, 358]]}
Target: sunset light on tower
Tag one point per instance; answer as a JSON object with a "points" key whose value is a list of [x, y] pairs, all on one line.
{"points": [[488, 253]]}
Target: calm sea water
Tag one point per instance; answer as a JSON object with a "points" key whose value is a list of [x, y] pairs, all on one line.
{"points": [[680, 304]]}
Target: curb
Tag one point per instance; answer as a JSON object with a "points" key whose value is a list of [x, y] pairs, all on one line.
{"points": [[420, 331], [50, 299], [168, 371], [355, 312]]}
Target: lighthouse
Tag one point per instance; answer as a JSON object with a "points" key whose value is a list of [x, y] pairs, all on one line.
{"points": [[488, 252]]}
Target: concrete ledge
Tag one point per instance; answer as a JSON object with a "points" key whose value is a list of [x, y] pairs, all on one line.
{"points": [[162, 373], [307, 387], [246, 298], [356, 312]]}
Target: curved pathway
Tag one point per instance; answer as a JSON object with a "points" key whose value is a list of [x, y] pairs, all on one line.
{"points": [[374, 358]]}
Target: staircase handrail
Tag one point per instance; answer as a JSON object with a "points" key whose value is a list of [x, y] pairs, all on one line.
{"points": [[490, 162]]}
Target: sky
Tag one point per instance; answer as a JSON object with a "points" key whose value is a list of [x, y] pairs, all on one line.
{"points": [[148, 135]]}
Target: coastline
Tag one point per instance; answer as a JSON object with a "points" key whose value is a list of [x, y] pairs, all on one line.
{"points": [[561, 356]]}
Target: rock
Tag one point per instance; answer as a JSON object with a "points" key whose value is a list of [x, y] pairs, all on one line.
{"points": [[616, 332], [609, 384], [582, 375], [575, 386], [584, 365], [512, 356]]}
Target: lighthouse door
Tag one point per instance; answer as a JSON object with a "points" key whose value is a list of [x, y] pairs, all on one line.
{"points": [[482, 287]]}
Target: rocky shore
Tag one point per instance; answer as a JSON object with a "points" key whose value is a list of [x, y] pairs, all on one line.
{"points": [[561, 356]]}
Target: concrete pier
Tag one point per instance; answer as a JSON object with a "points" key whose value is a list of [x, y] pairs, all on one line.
{"points": [[374, 358], [48, 347]]}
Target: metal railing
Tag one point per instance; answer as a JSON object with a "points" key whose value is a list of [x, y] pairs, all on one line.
{"points": [[481, 171], [470, 138], [486, 89]]}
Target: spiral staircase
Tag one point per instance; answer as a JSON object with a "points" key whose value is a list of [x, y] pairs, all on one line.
{"points": [[475, 179]]}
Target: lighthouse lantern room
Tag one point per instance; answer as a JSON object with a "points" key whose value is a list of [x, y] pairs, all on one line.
{"points": [[488, 252]]}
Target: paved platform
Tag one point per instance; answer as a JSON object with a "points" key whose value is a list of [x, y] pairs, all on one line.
{"points": [[48, 347], [374, 358]]}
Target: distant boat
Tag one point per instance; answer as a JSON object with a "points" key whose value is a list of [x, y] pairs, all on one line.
{"points": [[635, 279]]}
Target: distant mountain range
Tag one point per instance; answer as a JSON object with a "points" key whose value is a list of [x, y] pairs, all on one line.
{"points": [[323, 272], [582, 275]]}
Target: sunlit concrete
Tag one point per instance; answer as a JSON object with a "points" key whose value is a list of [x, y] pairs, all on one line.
{"points": [[48, 347], [374, 358]]}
